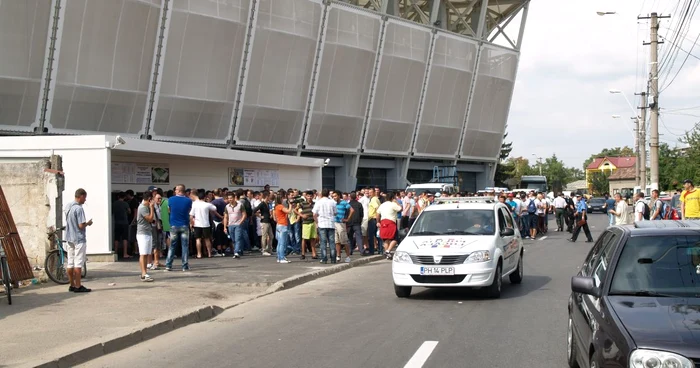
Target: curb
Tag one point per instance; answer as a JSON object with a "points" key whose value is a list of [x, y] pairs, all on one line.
{"points": [[198, 315]]}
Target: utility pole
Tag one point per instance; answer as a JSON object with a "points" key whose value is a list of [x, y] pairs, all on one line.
{"points": [[654, 91], [637, 177], [642, 157]]}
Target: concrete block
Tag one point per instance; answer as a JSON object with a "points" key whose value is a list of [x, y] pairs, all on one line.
{"points": [[122, 342], [158, 329], [81, 356], [102, 257], [185, 320], [51, 364], [206, 313]]}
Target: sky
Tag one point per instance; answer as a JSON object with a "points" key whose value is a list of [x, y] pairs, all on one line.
{"points": [[571, 58]]}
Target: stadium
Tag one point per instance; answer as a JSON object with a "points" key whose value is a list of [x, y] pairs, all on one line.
{"points": [[385, 89]]}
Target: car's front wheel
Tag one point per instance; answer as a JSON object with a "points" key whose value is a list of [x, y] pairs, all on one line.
{"points": [[402, 291], [571, 345], [517, 276], [494, 291]]}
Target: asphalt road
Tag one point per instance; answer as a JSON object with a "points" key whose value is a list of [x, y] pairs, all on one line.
{"points": [[353, 319]]}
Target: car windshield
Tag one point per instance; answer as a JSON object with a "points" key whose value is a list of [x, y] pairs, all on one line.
{"points": [[454, 222], [419, 191], [667, 265]]}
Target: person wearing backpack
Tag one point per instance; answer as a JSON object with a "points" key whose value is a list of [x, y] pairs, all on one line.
{"points": [[641, 210], [531, 206], [657, 208]]}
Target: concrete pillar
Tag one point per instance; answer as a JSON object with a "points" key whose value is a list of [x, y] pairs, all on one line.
{"points": [[396, 177], [485, 179], [346, 174]]}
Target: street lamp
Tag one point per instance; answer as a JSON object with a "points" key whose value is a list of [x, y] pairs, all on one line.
{"points": [[539, 163], [617, 91], [605, 13]]}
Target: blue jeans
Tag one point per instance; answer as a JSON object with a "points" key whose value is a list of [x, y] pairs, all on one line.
{"points": [[238, 235], [295, 236], [611, 219], [281, 233], [327, 240], [179, 237], [372, 237]]}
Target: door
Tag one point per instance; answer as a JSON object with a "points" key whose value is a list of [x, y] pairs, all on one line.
{"points": [[587, 307], [508, 243]]}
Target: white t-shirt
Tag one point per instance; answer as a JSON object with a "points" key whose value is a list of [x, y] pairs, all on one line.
{"points": [[639, 211], [364, 201], [388, 210], [541, 205], [200, 210], [622, 216]]}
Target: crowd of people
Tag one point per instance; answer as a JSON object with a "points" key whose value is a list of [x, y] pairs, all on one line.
{"points": [[203, 223]]}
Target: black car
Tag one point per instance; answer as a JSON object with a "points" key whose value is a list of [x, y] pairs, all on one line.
{"points": [[596, 205], [636, 301]]}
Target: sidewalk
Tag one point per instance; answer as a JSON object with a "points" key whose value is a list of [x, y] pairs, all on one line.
{"points": [[46, 322]]}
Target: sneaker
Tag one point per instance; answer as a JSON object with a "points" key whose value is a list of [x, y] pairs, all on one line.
{"points": [[284, 261], [81, 289], [146, 278], [186, 269], [153, 267], [71, 289], [303, 257], [236, 255], [347, 260], [337, 259], [267, 254], [168, 269], [148, 266]]}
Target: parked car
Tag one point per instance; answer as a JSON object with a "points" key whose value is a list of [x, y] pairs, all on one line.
{"points": [[469, 242], [596, 204], [675, 213], [636, 300]]}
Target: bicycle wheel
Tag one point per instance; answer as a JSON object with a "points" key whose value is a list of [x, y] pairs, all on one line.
{"points": [[6, 279], [54, 268]]}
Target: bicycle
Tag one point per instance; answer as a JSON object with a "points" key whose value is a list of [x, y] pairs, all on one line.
{"points": [[55, 260], [5, 271]]}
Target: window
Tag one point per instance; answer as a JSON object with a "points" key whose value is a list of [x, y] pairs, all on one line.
{"points": [[662, 264], [328, 177], [592, 258], [508, 217], [501, 220], [454, 222], [371, 177], [602, 264], [419, 176]]}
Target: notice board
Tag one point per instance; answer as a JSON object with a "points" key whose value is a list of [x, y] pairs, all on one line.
{"points": [[253, 177], [138, 173]]}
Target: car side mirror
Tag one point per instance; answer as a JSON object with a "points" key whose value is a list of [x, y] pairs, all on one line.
{"points": [[507, 232], [585, 285]]}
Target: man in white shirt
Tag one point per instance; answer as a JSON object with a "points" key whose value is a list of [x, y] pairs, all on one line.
{"points": [[620, 211], [639, 207], [560, 209], [199, 219], [324, 214], [364, 201]]}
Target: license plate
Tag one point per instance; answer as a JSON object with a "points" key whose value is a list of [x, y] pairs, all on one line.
{"points": [[437, 271]]}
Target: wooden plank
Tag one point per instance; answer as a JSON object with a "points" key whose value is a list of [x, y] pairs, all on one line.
{"points": [[20, 269]]}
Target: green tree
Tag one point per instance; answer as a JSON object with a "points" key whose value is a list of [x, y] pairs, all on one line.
{"points": [[599, 183], [557, 174], [609, 152]]}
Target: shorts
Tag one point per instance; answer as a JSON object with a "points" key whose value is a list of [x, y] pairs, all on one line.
{"points": [[202, 232], [158, 243], [145, 242], [387, 229], [363, 226], [76, 255], [308, 231], [341, 233], [121, 232]]}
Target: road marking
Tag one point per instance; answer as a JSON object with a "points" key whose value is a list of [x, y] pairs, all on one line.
{"points": [[543, 238], [421, 355]]}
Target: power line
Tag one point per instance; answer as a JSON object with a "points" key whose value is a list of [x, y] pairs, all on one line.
{"points": [[681, 68]]}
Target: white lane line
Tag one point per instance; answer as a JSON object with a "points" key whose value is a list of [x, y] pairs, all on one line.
{"points": [[421, 355], [543, 238]]}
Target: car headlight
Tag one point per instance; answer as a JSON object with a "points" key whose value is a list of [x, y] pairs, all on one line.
{"points": [[479, 256], [643, 358], [402, 257]]}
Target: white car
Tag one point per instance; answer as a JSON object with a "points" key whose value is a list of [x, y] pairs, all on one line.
{"points": [[460, 242]]}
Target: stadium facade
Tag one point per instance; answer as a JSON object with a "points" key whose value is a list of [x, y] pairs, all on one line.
{"points": [[386, 89]]}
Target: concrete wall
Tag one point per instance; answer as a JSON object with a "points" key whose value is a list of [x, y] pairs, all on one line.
{"points": [[212, 173], [32, 195]]}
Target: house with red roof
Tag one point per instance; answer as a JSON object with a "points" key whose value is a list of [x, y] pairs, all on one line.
{"points": [[609, 165]]}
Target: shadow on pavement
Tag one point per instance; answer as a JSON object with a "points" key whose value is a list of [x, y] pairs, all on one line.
{"points": [[508, 291]]}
